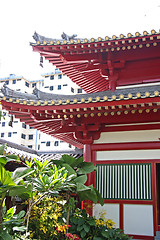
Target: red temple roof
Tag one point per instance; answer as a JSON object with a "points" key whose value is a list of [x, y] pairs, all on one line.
{"points": [[80, 119], [101, 64]]}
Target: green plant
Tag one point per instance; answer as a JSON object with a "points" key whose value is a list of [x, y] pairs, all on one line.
{"points": [[44, 218], [89, 228], [79, 169], [11, 224], [11, 183], [46, 180]]}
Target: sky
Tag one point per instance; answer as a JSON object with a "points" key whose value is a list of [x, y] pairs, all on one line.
{"points": [[19, 19]]}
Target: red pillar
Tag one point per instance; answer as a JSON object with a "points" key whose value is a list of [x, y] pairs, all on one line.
{"points": [[87, 204]]}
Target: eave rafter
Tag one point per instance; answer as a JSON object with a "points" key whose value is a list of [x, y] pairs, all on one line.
{"points": [[81, 123], [137, 54]]}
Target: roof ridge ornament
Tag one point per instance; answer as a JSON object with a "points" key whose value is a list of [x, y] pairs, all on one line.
{"points": [[39, 38], [67, 37]]}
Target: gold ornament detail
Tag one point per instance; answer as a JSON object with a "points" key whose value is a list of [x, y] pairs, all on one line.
{"points": [[156, 93], [147, 94]]}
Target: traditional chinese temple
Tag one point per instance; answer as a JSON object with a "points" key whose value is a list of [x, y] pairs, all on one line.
{"points": [[117, 121]]}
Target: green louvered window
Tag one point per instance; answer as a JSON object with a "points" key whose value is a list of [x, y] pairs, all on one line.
{"points": [[124, 181]]}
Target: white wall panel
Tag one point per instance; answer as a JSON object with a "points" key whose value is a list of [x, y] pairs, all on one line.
{"points": [[129, 136], [111, 212], [138, 219], [128, 155]]}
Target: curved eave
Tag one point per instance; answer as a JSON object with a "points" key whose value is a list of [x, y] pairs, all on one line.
{"points": [[128, 38], [62, 120], [87, 62]]}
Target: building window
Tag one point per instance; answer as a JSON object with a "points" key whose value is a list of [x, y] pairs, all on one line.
{"points": [[48, 143], [46, 87], [29, 146], [38, 147], [79, 90], [23, 136], [3, 124], [59, 76], [30, 137], [59, 87], [56, 143], [9, 134], [51, 88], [15, 121], [14, 81], [7, 82], [43, 142], [31, 127], [14, 132], [52, 77], [33, 85], [70, 146], [65, 85], [24, 125], [125, 181], [72, 89], [27, 84], [2, 134]]}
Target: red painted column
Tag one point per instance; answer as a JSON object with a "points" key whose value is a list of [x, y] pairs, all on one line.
{"points": [[87, 204]]}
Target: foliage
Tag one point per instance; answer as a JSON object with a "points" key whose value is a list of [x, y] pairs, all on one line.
{"points": [[44, 218], [46, 180], [89, 228], [12, 223], [50, 186], [11, 184], [79, 169]]}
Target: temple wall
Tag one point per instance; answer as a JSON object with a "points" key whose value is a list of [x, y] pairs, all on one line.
{"points": [[129, 136], [127, 184], [138, 219], [128, 155]]}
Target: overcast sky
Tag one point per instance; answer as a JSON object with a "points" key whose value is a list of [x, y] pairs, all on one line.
{"points": [[19, 19]]}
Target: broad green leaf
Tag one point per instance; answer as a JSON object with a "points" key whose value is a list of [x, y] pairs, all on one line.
{"points": [[3, 161], [99, 197], [69, 169], [98, 238], [20, 190], [5, 236], [68, 159], [92, 223], [83, 234], [81, 179], [88, 195], [86, 228], [85, 167], [77, 162], [58, 162], [81, 187], [20, 214], [5, 177], [81, 221], [105, 234], [79, 228]]}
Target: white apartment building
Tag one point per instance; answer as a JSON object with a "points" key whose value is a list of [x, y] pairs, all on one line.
{"points": [[11, 129]]}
